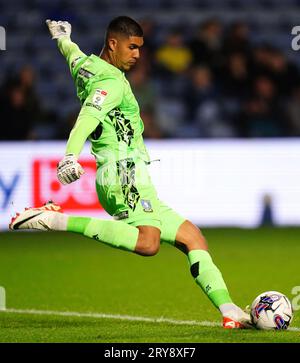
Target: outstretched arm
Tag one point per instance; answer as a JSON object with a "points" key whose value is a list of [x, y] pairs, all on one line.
{"points": [[68, 169], [61, 30], [104, 97]]}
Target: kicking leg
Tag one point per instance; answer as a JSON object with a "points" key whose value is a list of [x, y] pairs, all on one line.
{"points": [[190, 240]]}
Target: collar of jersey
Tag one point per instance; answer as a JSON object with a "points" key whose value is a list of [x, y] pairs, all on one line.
{"points": [[108, 64]]}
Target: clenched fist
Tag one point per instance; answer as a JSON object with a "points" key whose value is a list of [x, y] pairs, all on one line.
{"points": [[68, 169]]}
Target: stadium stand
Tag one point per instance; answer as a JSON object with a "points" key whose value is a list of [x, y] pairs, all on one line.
{"points": [[242, 81]]}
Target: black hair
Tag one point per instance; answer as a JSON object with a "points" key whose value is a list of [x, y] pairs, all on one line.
{"points": [[125, 26]]}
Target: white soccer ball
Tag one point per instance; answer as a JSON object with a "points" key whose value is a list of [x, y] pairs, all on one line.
{"points": [[271, 310]]}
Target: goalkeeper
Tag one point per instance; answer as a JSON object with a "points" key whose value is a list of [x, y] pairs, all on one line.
{"points": [[110, 120]]}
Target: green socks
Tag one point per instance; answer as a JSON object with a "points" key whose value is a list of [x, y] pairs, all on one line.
{"points": [[124, 236], [208, 277], [115, 233]]}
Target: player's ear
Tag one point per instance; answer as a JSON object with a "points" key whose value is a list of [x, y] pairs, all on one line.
{"points": [[112, 44]]}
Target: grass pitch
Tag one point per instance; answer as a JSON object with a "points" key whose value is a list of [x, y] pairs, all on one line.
{"points": [[64, 272]]}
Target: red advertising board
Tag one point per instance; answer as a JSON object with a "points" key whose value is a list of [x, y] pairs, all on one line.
{"points": [[80, 195]]}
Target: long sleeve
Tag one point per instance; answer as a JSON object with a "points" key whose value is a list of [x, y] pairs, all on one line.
{"points": [[104, 96], [84, 126], [69, 50]]}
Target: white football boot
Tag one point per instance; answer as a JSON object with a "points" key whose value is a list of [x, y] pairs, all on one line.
{"points": [[40, 218]]}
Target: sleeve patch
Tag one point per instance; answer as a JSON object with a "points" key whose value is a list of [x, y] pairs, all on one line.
{"points": [[92, 105], [99, 97], [75, 61]]}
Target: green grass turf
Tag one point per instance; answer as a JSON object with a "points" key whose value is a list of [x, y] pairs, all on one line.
{"points": [[67, 272]]}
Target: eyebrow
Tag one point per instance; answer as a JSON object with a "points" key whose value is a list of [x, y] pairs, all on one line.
{"points": [[135, 45]]}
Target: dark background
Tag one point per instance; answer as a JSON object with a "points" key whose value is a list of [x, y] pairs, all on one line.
{"points": [[209, 69]]}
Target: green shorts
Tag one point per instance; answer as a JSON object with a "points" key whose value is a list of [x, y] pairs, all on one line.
{"points": [[126, 192]]}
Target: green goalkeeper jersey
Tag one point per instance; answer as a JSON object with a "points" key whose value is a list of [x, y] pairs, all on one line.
{"points": [[110, 115]]}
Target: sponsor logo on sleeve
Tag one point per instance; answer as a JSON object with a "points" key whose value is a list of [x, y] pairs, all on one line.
{"points": [[84, 73], [92, 105], [98, 99], [75, 61]]}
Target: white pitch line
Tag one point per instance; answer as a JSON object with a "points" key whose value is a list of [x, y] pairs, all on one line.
{"points": [[111, 316], [119, 317]]}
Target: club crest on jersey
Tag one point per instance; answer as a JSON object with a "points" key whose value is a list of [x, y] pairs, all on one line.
{"points": [[99, 97], [146, 205]]}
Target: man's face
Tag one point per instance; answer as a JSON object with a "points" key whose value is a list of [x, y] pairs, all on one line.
{"points": [[127, 51]]}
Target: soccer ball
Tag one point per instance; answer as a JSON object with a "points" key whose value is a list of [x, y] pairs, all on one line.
{"points": [[271, 310]]}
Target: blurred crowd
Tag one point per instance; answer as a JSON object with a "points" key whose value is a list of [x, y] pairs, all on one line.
{"points": [[211, 83]]}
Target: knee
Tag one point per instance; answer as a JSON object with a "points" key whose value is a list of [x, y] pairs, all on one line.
{"points": [[148, 241], [148, 247], [151, 247]]}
